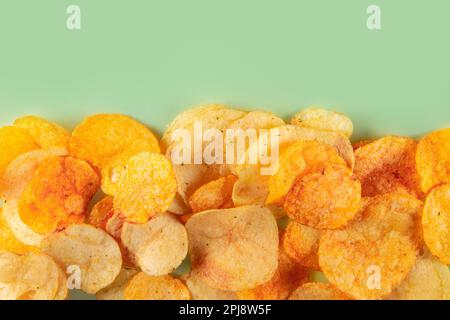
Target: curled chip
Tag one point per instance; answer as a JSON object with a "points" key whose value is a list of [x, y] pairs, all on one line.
{"points": [[322, 119], [436, 222], [101, 213], [372, 255], [34, 276], [103, 136], [8, 241], [318, 291], [234, 249], [201, 291], [146, 188], [145, 287], [387, 165], [298, 160], [158, 246], [13, 142], [325, 199], [433, 159], [58, 194], [91, 250], [115, 291], [213, 195], [301, 244], [428, 280], [46, 133]]}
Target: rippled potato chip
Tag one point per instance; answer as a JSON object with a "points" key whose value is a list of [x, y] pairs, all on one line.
{"points": [[387, 165], [233, 249], [101, 213], [325, 199], [47, 134], [436, 222], [301, 244], [318, 291], [213, 195], [115, 291], [201, 291], [9, 242], [146, 188], [373, 254], [433, 159], [323, 119], [92, 250], [58, 194], [158, 246], [13, 142], [145, 287]]}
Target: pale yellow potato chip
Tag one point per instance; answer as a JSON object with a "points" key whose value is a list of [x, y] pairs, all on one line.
{"points": [[63, 290], [115, 291], [158, 246], [233, 249], [92, 250], [318, 291], [201, 291], [145, 287], [9, 242], [178, 206]]}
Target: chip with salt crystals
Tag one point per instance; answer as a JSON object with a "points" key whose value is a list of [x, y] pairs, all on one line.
{"points": [[145, 287], [318, 291]]}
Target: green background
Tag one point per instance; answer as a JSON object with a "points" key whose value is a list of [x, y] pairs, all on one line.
{"points": [[152, 59]]}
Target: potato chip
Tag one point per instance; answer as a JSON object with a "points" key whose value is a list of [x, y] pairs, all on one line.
{"points": [[101, 213], [433, 159], [300, 159], [46, 133], [114, 227], [62, 293], [234, 249], [101, 137], [178, 206], [318, 291], [301, 244], [213, 195], [325, 199], [387, 165], [436, 222], [428, 280], [58, 194], [145, 287], [361, 143], [146, 188], [8, 241], [251, 188], [159, 246], [373, 254], [201, 291], [13, 142], [322, 119], [92, 250], [115, 291]]}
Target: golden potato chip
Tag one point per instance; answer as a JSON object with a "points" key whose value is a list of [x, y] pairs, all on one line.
{"points": [[159, 246], [213, 195], [300, 159], [146, 188], [92, 250], [145, 287], [436, 222], [301, 244], [201, 291], [433, 159], [428, 280], [361, 143], [233, 249], [387, 165], [318, 291], [58, 194], [8, 242], [115, 291], [322, 119], [103, 136], [101, 213], [46, 133], [373, 254], [13, 142], [325, 199]]}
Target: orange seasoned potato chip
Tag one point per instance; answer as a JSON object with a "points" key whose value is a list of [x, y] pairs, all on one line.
{"points": [[373, 254], [8, 241], [13, 142], [387, 165], [433, 159], [325, 199], [361, 143], [145, 287], [436, 222], [101, 213], [233, 249], [301, 244], [46, 133], [201, 291], [115, 291], [58, 194], [146, 188], [318, 291], [213, 195], [92, 250]]}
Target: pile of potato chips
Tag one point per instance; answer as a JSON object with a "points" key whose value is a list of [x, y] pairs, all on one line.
{"points": [[105, 209]]}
